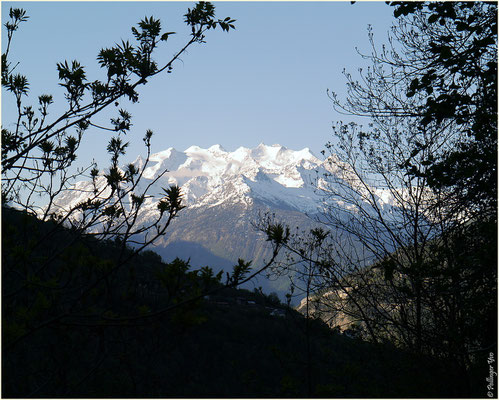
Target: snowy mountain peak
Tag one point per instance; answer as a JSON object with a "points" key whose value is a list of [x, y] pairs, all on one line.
{"points": [[169, 159], [216, 148], [264, 152], [271, 173]]}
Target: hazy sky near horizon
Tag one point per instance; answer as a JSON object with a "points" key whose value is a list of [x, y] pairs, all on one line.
{"points": [[264, 82]]}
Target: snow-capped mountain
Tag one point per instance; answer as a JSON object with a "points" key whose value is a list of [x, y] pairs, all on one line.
{"points": [[226, 193], [213, 176]]}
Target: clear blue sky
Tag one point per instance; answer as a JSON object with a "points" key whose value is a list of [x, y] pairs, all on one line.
{"points": [[264, 82]]}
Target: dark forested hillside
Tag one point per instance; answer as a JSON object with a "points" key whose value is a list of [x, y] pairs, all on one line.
{"points": [[232, 343]]}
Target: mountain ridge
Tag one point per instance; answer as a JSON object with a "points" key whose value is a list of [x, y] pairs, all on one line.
{"points": [[226, 194], [200, 172]]}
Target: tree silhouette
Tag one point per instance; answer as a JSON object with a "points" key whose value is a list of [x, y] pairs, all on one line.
{"points": [[58, 281], [420, 270], [440, 69]]}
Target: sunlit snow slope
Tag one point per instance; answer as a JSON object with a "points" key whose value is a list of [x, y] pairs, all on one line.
{"points": [[213, 176]]}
